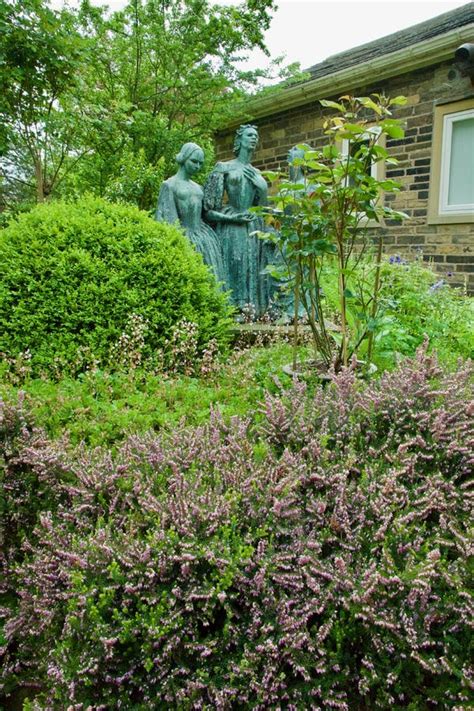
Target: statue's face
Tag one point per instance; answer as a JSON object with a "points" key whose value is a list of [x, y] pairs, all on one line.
{"points": [[249, 138], [295, 153], [194, 163]]}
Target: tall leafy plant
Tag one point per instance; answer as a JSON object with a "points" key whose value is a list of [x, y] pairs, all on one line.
{"points": [[324, 216]]}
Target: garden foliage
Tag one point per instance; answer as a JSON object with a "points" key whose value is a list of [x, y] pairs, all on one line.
{"points": [[90, 282], [88, 92], [104, 408], [316, 560], [414, 304], [323, 217]]}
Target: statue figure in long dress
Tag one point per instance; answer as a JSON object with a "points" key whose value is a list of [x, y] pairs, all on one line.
{"points": [[297, 175], [232, 188], [181, 200]]}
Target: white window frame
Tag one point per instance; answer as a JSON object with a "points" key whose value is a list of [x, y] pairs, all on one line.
{"points": [[440, 154], [444, 207]]}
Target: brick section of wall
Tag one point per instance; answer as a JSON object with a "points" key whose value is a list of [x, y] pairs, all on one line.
{"points": [[449, 248]]}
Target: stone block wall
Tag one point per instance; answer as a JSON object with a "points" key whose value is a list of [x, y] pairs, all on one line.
{"points": [[448, 247]]}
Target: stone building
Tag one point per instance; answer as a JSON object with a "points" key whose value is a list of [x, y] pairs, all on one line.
{"points": [[436, 167]]}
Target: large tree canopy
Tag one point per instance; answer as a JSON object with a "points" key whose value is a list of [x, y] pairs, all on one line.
{"points": [[87, 94]]}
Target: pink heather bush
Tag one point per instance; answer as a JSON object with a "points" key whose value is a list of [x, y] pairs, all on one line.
{"points": [[31, 474], [315, 561]]}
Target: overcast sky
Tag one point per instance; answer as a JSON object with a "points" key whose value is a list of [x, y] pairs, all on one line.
{"points": [[308, 31]]}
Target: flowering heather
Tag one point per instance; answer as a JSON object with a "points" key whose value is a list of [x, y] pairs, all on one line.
{"points": [[31, 471], [317, 560]]}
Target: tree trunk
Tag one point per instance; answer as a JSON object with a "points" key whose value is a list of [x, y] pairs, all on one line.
{"points": [[39, 180]]}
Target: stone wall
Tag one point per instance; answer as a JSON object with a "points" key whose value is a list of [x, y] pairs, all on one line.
{"points": [[449, 247]]}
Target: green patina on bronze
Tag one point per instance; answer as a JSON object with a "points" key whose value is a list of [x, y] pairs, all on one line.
{"points": [[290, 302], [297, 172], [180, 200], [232, 188]]}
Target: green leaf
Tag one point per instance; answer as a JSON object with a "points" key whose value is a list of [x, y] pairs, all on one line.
{"points": [[392, 128], [379, 152], [322, 246], [271, 175], [259, 234], [398, 101], [331, 104], [370, 104], [317, 166], [388, 185], [355, 128], [330, 152], [310, 155], [276, 272], [292, 187]]}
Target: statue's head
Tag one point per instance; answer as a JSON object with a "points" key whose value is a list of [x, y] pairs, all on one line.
{"points": [[297, 152], [192, 157], [246, 135]]}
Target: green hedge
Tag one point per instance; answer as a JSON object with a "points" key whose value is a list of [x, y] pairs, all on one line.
{"points": [[75, 273]]}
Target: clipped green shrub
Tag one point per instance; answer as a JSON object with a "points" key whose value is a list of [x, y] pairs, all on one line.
{"points": [[89, 281]]}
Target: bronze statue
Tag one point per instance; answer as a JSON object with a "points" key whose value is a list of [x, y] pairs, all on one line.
{"points": [[296, 172], [232, 188], [180, 200]]}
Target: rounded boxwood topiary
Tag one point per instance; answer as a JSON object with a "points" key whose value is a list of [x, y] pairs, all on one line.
{"points": [[74, 274]]}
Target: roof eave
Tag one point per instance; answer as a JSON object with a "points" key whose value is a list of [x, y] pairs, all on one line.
{"points": [[430, 51]]}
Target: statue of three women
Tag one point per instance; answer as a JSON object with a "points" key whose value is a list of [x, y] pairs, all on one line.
{"points": [[218, 222]]}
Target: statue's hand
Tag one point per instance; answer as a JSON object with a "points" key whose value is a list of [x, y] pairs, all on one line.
{"points": [[255, 177], [242, 218]]}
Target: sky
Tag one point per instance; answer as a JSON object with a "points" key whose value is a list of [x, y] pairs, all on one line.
{"points": [[309, 31]]}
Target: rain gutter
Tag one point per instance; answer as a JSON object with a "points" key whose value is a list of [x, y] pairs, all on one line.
{"points": [[434, 50]]}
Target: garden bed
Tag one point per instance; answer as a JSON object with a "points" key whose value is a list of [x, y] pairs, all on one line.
{"points": [[286, 560]]}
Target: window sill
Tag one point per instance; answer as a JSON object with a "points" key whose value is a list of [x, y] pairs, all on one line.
{"points": [[462, 219]]}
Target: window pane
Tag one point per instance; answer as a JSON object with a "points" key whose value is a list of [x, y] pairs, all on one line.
{"points": [[461, 169]]}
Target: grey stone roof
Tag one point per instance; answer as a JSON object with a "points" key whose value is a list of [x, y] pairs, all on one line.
{"points": [[398, 40]]}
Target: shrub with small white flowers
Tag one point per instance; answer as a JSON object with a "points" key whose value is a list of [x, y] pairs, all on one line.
{"points": [[127, 352]]}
